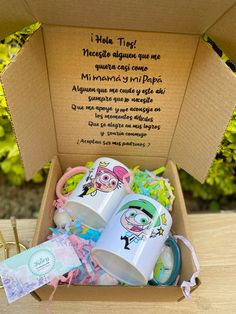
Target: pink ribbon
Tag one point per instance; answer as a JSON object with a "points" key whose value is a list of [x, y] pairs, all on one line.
{"points": [[187, 285], [79, 246], [125, 182], [55, 282]]}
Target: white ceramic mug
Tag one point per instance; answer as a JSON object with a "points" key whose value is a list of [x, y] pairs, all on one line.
{"points": [[132, 241], [99, 193]]}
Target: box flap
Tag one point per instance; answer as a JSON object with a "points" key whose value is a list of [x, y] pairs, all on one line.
{"points": [[182, 16], [223, 33], [109, 98], [207, 107], [15, 14], [26, 88]]}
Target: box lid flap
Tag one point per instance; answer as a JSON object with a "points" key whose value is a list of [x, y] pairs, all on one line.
{"points": [[26, 89], [182, 16], [223, 33], [125, 103], [15, 14], [207, 107]]}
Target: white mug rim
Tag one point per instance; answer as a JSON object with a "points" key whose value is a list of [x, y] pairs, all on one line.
{"points": [[114, 275], [98, 216]]}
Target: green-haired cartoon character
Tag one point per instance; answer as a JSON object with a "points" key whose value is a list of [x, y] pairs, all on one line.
{"points": [[140, 218]]}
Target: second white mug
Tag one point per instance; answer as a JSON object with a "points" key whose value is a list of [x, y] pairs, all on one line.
{"points": [[133, 239]]}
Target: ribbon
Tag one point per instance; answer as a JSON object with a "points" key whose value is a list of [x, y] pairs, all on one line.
{"points": [[83, 249], [125, 182], [55, 282], [187, 285]]}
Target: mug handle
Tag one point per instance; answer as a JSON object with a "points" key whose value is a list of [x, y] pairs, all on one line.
{"points": [[67, 175], [176, 267], [129, 175]]}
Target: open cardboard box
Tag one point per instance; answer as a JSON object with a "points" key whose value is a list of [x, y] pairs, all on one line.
{"points": [[189, 91]]}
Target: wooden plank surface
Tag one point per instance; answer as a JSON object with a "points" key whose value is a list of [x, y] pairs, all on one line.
{"points": [[214, 238]]}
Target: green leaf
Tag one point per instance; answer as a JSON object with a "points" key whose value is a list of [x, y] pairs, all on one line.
{"points": [[15, 179], [14, 152], [6, 166], [38, 178], [3, 51], [2, 132], [18, 169]]}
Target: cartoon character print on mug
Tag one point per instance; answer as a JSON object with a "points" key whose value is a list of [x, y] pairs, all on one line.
{"points": [[103, 179], [131, 243], [99, 192], [139, 218]]}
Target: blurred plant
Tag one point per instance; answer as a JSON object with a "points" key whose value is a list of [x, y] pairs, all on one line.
{"points": [[10, 163], [221, 181]]}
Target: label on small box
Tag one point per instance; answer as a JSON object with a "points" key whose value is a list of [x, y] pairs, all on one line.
{"points": [[31, 269]]}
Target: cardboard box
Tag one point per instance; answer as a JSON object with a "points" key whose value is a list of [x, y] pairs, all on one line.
{"points": [[131, 80]]}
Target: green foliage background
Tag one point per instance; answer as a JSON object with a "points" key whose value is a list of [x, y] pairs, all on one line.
{"points": [[220, 183]]}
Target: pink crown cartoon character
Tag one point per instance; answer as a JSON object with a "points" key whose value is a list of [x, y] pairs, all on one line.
{"points": [[105, 180]]}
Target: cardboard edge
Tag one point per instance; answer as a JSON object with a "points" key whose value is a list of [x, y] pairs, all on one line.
{"points": [[19, 17], [47, 203], [22, 106], [12, 125], [184, 17], [36, 296], [20, 52], [72, 160], [116, 293], [171, 168], [184, 152], [49, 85], [172, 173], [222, 32], [55, 166], [169, 157], [2, 73], [198, 283]]}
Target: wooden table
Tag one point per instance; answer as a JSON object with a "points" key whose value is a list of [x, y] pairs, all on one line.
{"points": [[215, 243]]}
